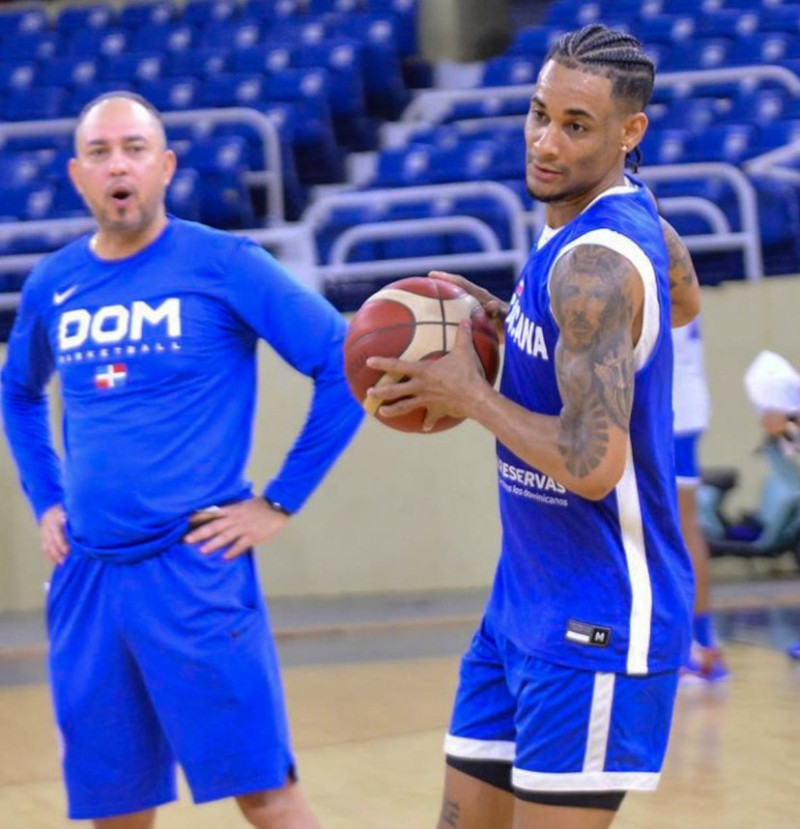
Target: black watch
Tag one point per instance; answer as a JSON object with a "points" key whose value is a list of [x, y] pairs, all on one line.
{"points": [[274, 505]]}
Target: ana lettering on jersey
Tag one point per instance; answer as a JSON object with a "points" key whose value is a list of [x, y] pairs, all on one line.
{"points": [[115, 324], [528, 336]]}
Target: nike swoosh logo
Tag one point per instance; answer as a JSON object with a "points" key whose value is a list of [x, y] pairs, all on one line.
{"points": [[60, 297]]}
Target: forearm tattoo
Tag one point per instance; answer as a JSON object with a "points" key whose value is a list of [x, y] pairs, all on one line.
{"points": [[592, 302]]}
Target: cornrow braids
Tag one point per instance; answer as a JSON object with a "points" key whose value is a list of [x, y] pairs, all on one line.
{"points": [[614, 54]]}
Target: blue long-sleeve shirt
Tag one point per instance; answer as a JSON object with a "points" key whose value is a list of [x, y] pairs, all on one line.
{"points": [[156, 356]]}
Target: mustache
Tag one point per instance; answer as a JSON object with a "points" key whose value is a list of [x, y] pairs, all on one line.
{"points": [[553, 168]]}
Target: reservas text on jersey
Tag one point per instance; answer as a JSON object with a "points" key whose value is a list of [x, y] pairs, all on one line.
{"points": [[528, 477]]}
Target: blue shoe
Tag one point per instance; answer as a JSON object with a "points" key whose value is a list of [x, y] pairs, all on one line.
{"points": [[793, 652], [705, 665]]}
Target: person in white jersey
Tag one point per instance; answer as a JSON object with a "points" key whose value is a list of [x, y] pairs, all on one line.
{"points": [[566, 693], [692, 407]]}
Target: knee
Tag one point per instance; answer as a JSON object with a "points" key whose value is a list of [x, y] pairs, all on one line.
{"points": [[275, 808]]}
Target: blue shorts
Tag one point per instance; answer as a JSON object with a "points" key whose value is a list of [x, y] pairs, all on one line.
{"points": [[559, 729], [687, 468], [167, 660]]}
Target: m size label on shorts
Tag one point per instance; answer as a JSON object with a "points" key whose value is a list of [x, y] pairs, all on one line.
{"points": [[583, 633]]}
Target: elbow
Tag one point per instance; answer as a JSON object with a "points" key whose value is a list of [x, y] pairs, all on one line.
{"points": [[597, 486], [685, 311]]}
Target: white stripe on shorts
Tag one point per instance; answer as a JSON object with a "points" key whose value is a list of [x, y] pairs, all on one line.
{"points": [[468, 749], [599, 723], [597, 781]]}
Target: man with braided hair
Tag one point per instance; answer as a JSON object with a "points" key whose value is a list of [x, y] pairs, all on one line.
{"points": [[567, 690]]}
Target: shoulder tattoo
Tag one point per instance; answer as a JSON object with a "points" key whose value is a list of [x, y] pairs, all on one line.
{"points": [[593, 303]]}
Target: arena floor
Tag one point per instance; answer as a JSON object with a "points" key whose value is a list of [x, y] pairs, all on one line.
{"points": [[369, 683]]}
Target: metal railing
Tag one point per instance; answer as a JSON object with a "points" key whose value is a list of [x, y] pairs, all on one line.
{"points": [[433, 106], [492, 255]]}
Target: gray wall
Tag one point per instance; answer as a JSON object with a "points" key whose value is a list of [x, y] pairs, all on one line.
{"points": [[418, 512]]}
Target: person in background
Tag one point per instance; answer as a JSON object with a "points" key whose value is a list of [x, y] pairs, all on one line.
{"points": [[691, 403], [160, 646]]}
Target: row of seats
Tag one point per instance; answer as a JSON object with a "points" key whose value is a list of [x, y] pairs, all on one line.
{"points": [[97, 29], [709, 16]]}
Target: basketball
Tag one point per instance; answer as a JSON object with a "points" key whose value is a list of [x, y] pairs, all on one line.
{"points": [[414, 319]]}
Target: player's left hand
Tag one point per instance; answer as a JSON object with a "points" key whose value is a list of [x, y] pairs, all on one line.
{"points": [[445, 387], [236, 526]]}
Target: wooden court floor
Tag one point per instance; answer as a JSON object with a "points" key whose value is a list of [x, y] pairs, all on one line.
{"points": [[368, 738]]}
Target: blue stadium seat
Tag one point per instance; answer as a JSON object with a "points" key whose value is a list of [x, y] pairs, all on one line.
{"points": [[95, 42], [733, 143], [230, 89], [567, 14], [82, 95], [271, 11], [780, 18], [728, 23], [231, 34], [385, 89], [699, 53], [22, 22], [96, 16], [760, 107], [694, 114], [30, 46], [15, 75], [510, 70], [27, 203], [67, 203], [18, 170], [665, 29], [225, 154], [183, 195], [271, 56], [204, 12], [667, 146], [762, 47], [534, 41], [779, 216], [67, 71], [141, 15], [198, 63], [167, 37], [21, 105], [167, 94], [335, 6], [405, 14], [341, 58], [133, 67], [225, 201], [403, 167], [319, 159], [777, 134]]}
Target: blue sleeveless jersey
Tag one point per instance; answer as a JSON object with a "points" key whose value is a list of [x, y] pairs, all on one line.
{"points": [[156, 356], [602, 585]]}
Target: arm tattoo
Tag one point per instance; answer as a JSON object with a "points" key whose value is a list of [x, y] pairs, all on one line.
{"points": [[681, 268], [592, 302], [450, 813]]}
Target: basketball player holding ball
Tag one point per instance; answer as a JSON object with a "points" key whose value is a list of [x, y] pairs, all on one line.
{"points": [[567, 690]]}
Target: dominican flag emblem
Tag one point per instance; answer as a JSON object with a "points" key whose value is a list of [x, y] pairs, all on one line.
{"points": [[111, 376]]}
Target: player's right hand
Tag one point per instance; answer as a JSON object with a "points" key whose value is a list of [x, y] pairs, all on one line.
{"points": [[53, 534], [495, 308]]}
